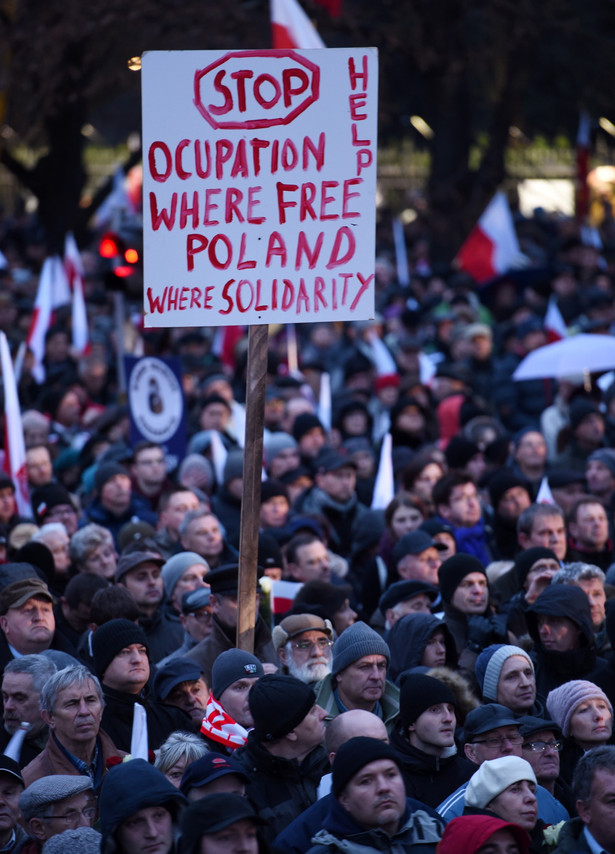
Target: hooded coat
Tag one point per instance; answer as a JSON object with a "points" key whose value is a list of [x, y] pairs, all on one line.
{"points": [[554, 668], [408, 638]]}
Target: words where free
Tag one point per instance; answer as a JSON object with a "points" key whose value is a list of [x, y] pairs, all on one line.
{"points": [[259, 186]]}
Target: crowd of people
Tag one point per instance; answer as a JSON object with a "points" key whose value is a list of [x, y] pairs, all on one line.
{"points": [[441, 676]]}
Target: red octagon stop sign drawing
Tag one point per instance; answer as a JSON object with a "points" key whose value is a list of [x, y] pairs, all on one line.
{"points": [[256, 89]]}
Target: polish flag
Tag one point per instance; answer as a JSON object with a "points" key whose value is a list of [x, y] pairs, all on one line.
{"points": [[14, 445], [555, 325], [281, 596], [291, 27], [75, 274], [492, 247], [41, 319]]}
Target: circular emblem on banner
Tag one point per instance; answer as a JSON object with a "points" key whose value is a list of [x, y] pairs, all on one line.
{"points": [[156, 400]]}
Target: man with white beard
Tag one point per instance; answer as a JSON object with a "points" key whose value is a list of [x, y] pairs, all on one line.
{"points": [[303, 643]]}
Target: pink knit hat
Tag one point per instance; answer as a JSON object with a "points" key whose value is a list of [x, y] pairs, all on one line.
{"points": [[562, 701]]}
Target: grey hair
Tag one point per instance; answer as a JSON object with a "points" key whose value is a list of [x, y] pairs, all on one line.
{"points": [[577, 571], [49, 528], [597, 759], [39, 667], [34, 418], [75, 675], [84, 541], [525, 522], [178, 745], [191, 515]]}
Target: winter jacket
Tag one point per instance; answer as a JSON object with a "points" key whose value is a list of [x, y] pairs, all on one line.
{"points": [[571, 839], [52, 761], [430, 779], [138, 508], [163, 631], [119, 712], [419, 832], [389, 702], [341, 516], [554, 668], [408, 638], [280, 789]]}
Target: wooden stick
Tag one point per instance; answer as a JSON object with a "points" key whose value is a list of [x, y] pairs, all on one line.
{"points": [[252, 472]]}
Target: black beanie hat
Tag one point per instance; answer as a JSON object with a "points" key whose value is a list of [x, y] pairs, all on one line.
{"points": [[212, 814], [460, 451], [112, 637], [419, 693], [356, 754], [278, 704], [500, 482], [303, 423], [579, 409], [454, 569], [526, 560], [46, 497]]}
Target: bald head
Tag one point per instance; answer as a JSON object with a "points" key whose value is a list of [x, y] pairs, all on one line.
{"points": [[350, 725]]}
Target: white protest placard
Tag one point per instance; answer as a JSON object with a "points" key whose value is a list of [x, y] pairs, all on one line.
{"points": [[259, 186]]}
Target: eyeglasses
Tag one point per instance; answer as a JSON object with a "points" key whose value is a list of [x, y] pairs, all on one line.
{"points": [[72, 817], [541, 746], [497, 742], [305, 645], [201, 616]]}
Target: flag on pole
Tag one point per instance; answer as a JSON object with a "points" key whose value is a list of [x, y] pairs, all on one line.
{"points": [[218, 456], [281, 596], [14, 444], [53, 291], [138, 737], [492, 247], [384, 487], [75, 274], [291, 27], [555, 326]]}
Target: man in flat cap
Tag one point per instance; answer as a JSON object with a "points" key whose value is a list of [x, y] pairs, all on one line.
{"points": [[223, 583], [140, 572], [303, 643], [56, 803]]}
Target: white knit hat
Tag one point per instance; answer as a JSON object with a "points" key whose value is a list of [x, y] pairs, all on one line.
{"points": [[494, 776]]}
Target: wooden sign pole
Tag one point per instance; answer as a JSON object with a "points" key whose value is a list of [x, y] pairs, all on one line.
{"points": [[251, 497]]}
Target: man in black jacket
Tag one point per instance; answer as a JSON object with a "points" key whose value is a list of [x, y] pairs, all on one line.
{"points": [[122, 664], [424, 740], [284, 756]]}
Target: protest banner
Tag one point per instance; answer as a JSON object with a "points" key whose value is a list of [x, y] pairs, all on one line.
{"points": [[259, 186]]}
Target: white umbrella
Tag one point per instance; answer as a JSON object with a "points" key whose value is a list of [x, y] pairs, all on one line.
{"points": [[576, 355]]}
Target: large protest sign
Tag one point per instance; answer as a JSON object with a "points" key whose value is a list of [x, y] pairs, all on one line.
{"points": [[259, 186]]}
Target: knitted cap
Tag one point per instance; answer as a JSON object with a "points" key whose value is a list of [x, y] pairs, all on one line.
{"points": [[272, 488], [419, 693], [232, 665], [494, 776], [212, 814], [112, 637], [105, 471], [303, 423], [49, 790], [526, 560], [276, 443], [356, 754], [489, 666], [355, 642], [579, 409], [460, 451], [175, 567], [278, 704], [233, 467], [606, 456], [562, 701], [452, 572], [46, 497], [500, 482]]}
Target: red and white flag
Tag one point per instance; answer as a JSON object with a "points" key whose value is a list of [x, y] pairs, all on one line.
{"points": [[555, 326], [53, 291], [14, 445], [281, 596], [75, 274], [291, 27], [492, 247]]}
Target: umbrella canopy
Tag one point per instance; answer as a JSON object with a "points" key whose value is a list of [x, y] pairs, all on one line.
{"points": [[573, 356]]}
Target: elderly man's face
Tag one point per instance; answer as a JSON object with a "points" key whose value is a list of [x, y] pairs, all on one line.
{"points": [[76, 714], [20, 701], [77, 811], [308, 656], [362, 683], [30, 627], [191, 697]]}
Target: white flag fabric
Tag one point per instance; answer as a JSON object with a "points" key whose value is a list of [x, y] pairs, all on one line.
{"points": [[544, 495], [291, 27], [384, 487], [381, 355], [53, 291], [13, 748], [75, 274], [14, 445], [138, 740], [401, 253], [218, 456], [324, 401]]}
